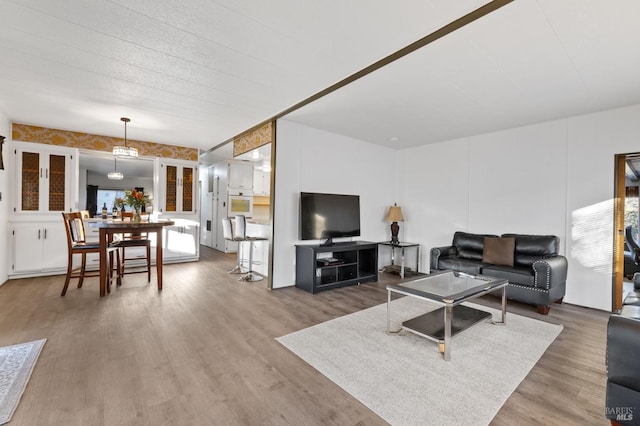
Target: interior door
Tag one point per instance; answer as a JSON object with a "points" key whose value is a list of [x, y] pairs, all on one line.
{"points": [[618, 239]]}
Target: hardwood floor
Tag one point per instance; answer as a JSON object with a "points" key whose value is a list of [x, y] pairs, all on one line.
{"points": [[203, 352]]}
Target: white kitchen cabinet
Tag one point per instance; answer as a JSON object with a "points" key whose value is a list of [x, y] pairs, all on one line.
{"points": [[179, 181], [240, 175], [261, 183], [39, 247], [180, 242], [43, 178]]}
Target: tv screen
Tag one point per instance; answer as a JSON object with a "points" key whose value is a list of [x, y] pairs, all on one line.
{"points": [[327, 216]]}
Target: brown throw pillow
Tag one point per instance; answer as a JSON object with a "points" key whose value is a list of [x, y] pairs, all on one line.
{"points": [[498, 250]]}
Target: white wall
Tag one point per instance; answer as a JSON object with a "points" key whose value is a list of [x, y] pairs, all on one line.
{"points": [[549, 178], [5, 241], [592, 142], [312, 160], [434, 194]]}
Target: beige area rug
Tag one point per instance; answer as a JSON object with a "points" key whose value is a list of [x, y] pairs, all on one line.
{"points": [[403, 378], [16, 365]]}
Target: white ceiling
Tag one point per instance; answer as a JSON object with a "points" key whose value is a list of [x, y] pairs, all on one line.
{"points": [[528, 62], [191, 73], [198, 73]]}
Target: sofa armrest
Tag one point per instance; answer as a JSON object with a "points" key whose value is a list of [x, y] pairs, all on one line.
{"points": [[550, 272], [438, 252], [623, 370], [623, 340]]}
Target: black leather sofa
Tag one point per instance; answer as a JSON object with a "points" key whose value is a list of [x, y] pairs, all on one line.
{"points": [[623, 369], [537, 276]]}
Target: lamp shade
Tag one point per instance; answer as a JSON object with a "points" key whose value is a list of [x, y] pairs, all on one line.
{"points": [[125, 151], [115, 174], [394, 214]]}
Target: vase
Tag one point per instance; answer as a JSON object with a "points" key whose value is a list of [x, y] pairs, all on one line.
{"points": [[136, 214]]}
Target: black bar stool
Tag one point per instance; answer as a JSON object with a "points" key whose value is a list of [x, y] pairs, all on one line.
{"points": [[227, 232], [241, 236]]}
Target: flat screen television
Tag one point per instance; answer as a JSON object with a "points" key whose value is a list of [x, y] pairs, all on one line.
{"points": [[328, 216]]}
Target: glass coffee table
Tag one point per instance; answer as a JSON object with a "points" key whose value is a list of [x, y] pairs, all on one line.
{"points": [[450, 289]]}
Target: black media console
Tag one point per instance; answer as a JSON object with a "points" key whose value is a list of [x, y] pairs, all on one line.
{"points": [[324, 267]]}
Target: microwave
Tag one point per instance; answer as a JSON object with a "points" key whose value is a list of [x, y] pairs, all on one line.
{"points": [[240, 205]]}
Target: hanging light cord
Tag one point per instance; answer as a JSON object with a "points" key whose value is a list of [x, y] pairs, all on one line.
{"points": [[125, 120]]}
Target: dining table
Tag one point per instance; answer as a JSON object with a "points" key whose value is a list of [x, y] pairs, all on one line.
{"points": [[108, 228]]}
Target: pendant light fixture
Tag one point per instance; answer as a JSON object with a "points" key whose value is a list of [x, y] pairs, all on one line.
{"points": [[115, 174], [125, 151]]}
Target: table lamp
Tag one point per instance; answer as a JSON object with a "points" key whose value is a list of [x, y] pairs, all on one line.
{"points": [[394, 216]]}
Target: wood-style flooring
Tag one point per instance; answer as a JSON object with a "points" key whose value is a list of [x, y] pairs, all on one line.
{"points": [[203, 352]]}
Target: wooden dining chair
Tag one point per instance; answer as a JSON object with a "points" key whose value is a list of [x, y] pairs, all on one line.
{"points": [[77, 244], [135, 240]]}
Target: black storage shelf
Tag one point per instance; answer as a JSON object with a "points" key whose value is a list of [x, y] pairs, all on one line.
{"points": [[359, 263]]}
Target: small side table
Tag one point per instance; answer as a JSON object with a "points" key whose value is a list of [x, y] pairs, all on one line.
{"points": [[401, 246]]}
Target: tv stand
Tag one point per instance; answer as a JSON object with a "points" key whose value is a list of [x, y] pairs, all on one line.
{"points": [[353, 263]]}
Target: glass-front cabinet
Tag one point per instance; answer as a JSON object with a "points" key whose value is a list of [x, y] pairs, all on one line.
{"points": [[179, 181], [43, 178]]}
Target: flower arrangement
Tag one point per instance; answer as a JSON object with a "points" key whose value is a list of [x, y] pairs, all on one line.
{"points": [[120, 202], [136, 198]]}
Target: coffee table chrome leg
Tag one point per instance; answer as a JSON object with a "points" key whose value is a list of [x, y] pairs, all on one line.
{"points": [[448, 312], [388, 311], [503, 320], [389, 331]]}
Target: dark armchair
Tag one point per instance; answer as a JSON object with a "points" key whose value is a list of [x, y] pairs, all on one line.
{"points": [[631, 253], [623, 374], [623, 371]]}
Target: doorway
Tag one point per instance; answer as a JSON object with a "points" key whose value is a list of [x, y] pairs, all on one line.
{"points": [[244, 181], [627, 224]]}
